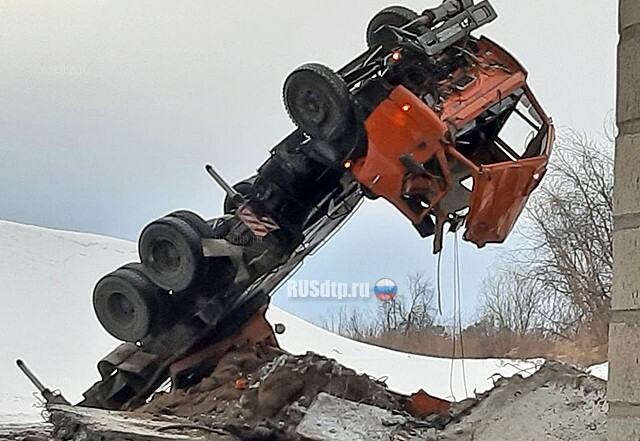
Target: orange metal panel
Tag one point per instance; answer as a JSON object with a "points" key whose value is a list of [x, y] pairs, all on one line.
{"points": [[499, 196], [402, 124], [422, 405]]}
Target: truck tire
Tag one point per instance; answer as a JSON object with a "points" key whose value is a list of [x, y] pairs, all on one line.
{"points": [[391, 16], [171, 252], [194, 221], [126, 303], [318, 101]]}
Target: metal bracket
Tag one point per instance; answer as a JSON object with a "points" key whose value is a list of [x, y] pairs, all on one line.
{"points": [[460, 26], [236, 197]]}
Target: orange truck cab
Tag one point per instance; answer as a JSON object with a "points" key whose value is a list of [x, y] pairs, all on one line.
{"points": [[477, 156], [436, 121]]}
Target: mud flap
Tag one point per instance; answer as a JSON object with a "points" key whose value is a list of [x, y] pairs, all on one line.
{"points": [[125, 372]]}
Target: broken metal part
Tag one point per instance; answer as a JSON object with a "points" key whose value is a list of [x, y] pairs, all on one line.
{"points": [[257, 331], [465, 19], [501, 188], [421, 405], [441, 221]]}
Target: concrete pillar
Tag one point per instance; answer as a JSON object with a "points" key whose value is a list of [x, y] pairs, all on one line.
{"points": [[624, 335]]}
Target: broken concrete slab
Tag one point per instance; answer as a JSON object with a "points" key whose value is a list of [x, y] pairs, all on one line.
{"points": [[334, 419], [557, 403], [254, 391], [26, 432], [82, 423]]}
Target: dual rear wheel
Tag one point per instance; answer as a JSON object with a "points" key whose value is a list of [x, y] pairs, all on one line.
{"points": [[132, 301], [127, 303], [171, 251]]}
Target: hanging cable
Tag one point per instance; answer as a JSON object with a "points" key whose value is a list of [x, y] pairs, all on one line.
{"points": [[438, 282], [454, 331], [458, 295]]}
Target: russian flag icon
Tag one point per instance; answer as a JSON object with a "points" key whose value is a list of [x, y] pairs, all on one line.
{"points": [[385, 290]]}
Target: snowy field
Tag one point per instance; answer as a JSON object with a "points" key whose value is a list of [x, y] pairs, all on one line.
{"points": [[47, 319]]}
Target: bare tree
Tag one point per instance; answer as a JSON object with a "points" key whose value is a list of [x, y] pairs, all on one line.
{"points": [[516, 301], [410, 310], [358, 324], [570, 225], [566, 261], [419, 310]]}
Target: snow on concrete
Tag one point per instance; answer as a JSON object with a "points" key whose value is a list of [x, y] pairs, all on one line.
{"points": [[600, 370], [559, 403], [47, 319]]}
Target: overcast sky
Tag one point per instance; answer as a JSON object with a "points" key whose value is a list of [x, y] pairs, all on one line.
{"points": [[109, 109]]}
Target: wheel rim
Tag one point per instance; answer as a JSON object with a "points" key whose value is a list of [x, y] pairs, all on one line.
{"points": [[121, 310], [312, 107], [171, 252], [316, 109], [125, 302], [169, 267], [165, 257]]}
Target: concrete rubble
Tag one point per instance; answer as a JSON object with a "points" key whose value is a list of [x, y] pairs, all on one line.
{"points": [[26, 432], [77, 423], [255, 395], [557, 403], [333, 419]]}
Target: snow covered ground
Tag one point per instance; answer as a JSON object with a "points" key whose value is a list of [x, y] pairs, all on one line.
{"points": [[17, 409], [404, 373], [46, 318]]}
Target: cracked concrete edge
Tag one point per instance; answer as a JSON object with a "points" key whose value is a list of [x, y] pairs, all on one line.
{"points": [[72, 422]]}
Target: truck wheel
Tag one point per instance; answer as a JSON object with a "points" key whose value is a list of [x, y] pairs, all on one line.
{"points": [[318, 101], [392, 16], [126, 303], [171, 251], [242, 187], [194, 221]]}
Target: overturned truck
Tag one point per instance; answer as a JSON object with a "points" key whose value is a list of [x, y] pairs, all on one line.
{"points": [[436, 121]]}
